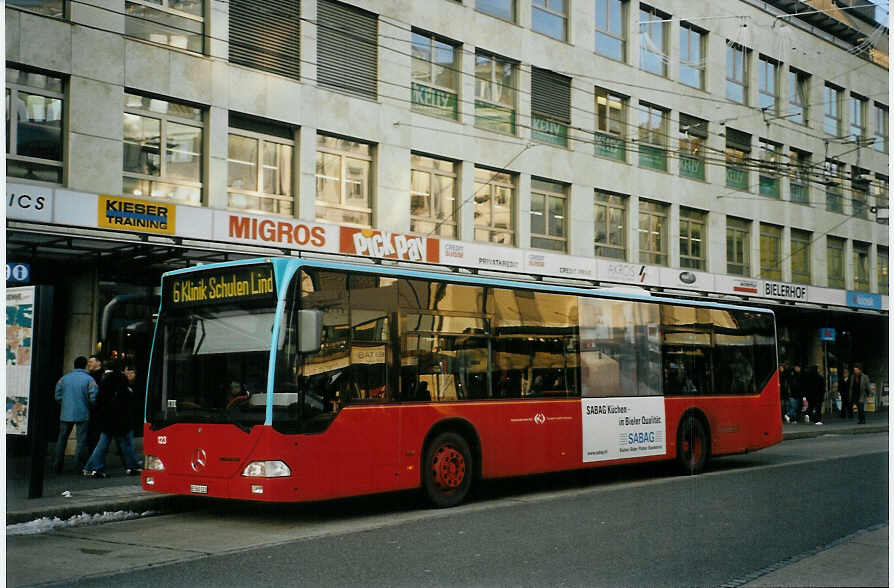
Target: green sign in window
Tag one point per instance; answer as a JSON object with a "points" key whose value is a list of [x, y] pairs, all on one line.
{"points": [[652, 157], [799, 193], [769, 186], [692, 167], [434, 101], [494, 118], [736, 177], [611, 147], [549, 131]]}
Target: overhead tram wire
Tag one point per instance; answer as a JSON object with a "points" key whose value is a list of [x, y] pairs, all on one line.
{"points": [[466, 101]]}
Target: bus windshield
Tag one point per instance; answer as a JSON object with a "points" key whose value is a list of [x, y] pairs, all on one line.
{"points": [[212, 349]]}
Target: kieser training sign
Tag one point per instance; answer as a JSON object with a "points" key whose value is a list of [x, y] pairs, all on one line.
{"points": [[620, 428], [130, 214]]}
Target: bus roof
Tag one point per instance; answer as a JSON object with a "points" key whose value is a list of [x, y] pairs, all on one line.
{"points": [[623, 293]]}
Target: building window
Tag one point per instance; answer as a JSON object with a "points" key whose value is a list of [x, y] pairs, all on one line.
{"points": [[692, 56], [34, 110], [504, 9], [800, 256], [550, 106], [737, 72], [611, 118], [880, 128], [832, 104], [495, 94], [879, 190], [652, 137], [162, 149], [882, 260], [548, 215], [177, 23], [738, 149], [653, 40], [693, 138], [861, 266], [857, 114], [433, 196], [610, 212], [835, 262], [266, 36], [347, 56], [860, 179], [799, 182], [833, 172], [652, 232], [611, 29], [738, 246], [259, 166], [798, 96], [692, 238], [435, 82], [54, 8], [768, 96], [550, 17], [769, 168], [494, 207], [344, 183], [771, 252]]}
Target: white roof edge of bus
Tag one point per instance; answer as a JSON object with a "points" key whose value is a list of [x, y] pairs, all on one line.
{"points": [[625, 290]]}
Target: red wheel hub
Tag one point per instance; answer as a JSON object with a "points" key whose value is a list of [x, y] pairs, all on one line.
{"points": [[448, 468]]}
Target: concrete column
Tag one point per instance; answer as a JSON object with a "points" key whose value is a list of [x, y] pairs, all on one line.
{"points": [[217, 27], [466, 75], [755, 257], [80, 326], [785, 257], [523, 211], [715, 243], [391, 201], [581, 231], [94, 156], [673, 235], [633, 230], [465, 200], [216, 144], [849, 264], [307, 174]]}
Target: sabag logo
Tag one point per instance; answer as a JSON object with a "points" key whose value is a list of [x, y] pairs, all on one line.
{"points": [[641, 437]]}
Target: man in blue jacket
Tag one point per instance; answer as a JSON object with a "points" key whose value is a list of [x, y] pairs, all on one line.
{"points": [[76, 390]]}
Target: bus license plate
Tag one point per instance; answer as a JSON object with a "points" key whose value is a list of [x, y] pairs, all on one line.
{"points": [[198, 488]]}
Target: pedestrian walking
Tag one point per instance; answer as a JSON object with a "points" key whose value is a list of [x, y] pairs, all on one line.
{"points": [[76, 391], [859, 392], [113, 410], [795, 392], [94, 366], [816, 394], [844, 390]]}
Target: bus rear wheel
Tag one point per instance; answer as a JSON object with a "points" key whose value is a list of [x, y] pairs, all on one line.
{"points": [[693, 446], [447, 470]]}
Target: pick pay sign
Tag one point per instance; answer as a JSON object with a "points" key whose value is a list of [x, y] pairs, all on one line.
{"points": [[382, 244]]}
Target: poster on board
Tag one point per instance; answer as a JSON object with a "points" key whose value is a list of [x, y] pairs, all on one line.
{"points": [[19, 351], [621, 428]]}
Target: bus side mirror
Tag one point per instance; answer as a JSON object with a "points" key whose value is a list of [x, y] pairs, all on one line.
{"points": [[310, 330]]}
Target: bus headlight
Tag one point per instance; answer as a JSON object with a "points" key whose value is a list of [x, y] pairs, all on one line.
{"points": [[153, 463], [267, 469]]}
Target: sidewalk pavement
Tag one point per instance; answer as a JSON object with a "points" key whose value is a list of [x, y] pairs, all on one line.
{"points": [[122, 492]]}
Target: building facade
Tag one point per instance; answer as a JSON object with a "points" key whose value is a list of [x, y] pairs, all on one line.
{"points": [[731, 150]]}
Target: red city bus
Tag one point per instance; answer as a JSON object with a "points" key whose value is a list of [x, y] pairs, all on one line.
{"points": [[301, 380]]}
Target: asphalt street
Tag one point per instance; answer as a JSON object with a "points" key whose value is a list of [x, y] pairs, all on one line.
{"points": [[639, 525]]}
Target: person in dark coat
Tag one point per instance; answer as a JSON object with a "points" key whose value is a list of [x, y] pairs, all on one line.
{"points": [[860, 392], [113, 410], [816, 393], [844, 390]]}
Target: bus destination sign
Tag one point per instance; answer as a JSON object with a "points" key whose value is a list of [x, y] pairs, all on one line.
{"points": [[231, 284]]}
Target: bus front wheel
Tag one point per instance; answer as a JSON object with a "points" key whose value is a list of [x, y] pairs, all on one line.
{"points": [[447, 469], [693, 446]]}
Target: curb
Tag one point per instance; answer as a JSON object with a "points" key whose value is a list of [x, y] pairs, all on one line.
{"points": [[819, 432], [164, 502]]}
